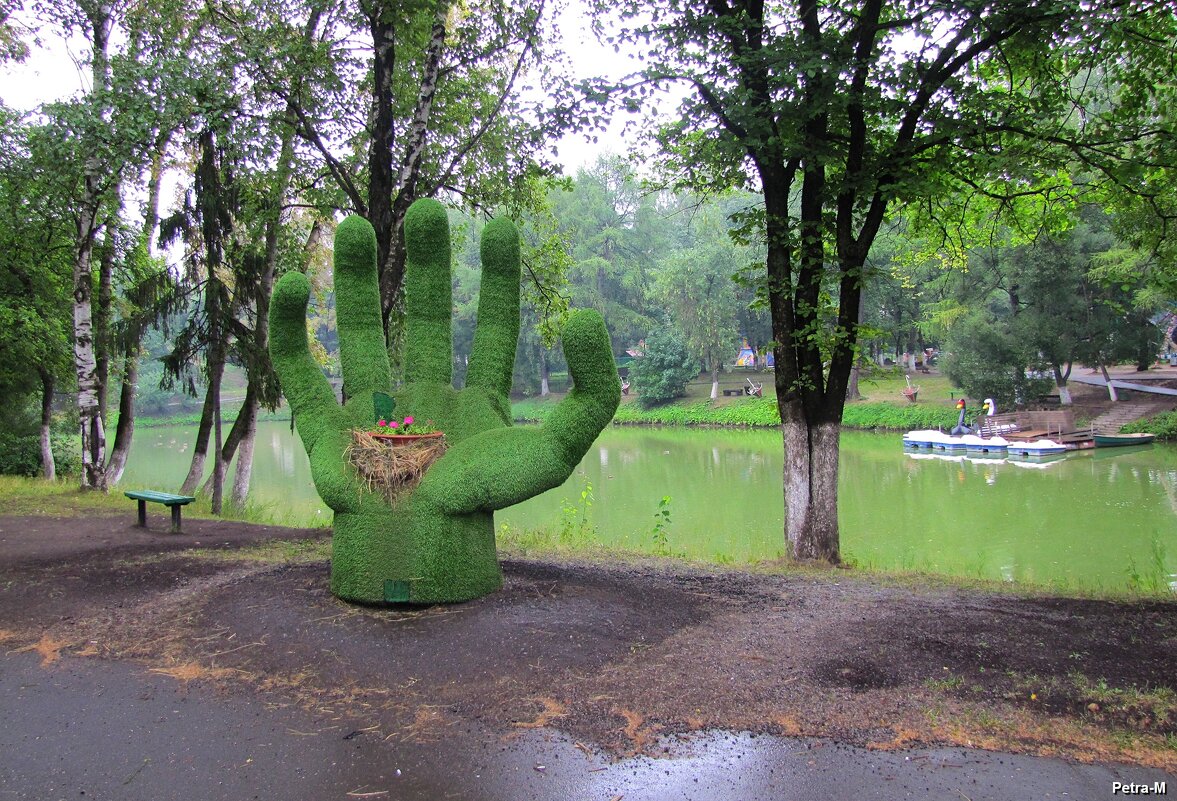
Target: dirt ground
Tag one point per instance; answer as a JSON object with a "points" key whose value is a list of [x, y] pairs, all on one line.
{"points": [[617, 657]]}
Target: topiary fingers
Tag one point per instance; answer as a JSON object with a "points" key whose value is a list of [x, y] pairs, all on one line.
{"points": [[492, 358], [363, 354], [303, 382], [428, 294], [498, 468], [575, 423]]}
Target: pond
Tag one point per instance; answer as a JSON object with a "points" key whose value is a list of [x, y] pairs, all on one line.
{"points": [[1103, 519]]}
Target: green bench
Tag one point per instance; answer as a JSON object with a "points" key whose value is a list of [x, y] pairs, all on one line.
{"points": [[177, 502]]}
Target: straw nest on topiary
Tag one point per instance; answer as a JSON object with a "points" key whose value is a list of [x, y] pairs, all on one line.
{"points": [[392, 467]]}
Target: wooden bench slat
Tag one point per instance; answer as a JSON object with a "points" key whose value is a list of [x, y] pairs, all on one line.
{"points": [[166, 498]]}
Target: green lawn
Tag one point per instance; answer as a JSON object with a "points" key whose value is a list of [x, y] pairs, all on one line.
{"points": [[883, 404]]}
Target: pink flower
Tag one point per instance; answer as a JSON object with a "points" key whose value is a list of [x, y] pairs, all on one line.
{"points": [[408, 421], [382, 424], [392, 424]]}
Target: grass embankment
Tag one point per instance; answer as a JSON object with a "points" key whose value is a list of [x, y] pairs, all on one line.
{"points": [[63, 498], [1163, 425], [572, 540], [228, 417], [883, 405]]}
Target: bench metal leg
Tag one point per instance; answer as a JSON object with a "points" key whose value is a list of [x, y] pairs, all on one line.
{"points": [[176, 518], [143, 514]]}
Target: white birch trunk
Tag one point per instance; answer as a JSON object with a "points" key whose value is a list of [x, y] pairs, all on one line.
{"points": [[85, 364], [419, 126]]}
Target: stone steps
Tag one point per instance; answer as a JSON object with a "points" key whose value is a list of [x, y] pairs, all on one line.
{"points": [[1111, 421]]}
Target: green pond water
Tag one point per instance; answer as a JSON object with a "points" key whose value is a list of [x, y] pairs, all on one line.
{"points": [[1103, 519]]}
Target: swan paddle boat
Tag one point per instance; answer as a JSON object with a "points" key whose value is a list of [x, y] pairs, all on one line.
{"points": [[959, 440]]}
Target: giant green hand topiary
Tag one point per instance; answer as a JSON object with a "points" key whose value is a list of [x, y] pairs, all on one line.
{"points": [[436, 543]]}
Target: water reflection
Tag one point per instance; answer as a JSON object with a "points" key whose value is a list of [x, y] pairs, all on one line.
{"points": [[1089, 519]]}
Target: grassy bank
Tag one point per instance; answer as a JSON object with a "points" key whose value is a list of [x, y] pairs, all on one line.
{"points": [[883, 407], [228, 416], [1163, 425], [571, 540], [62, 498]]}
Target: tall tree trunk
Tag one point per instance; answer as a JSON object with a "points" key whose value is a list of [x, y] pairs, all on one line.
{"points": [[218, 466], [126, 425], [217, 349], [244, 430], [811, 485], [392, 265], [48, 466], [200, 447], [102, 315], [382, 25], [809, 420], [544, 373], [216, 226], [89, 411], [852, 393], [244, 472], [714, 379]]}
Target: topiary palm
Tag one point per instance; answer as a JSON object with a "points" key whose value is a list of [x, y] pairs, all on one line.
{"points": [[437, 542]]}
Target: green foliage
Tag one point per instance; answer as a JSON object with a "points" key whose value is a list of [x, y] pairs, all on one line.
{"points": [[1163, 425], [660, 534], [437, 543], [695, 285], [616, 234], [662, 373], [20, 454], [574, 525], [892, 417], [987, 361], [37, 239]]}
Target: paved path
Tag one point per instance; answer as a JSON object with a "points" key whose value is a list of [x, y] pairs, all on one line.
{"points": [[109, 731], [1119, 383]]}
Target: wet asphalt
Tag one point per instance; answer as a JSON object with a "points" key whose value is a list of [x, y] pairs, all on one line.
{"points": [[111, 731]]}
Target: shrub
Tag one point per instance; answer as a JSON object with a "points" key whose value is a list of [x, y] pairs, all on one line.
{"points": [[663, 372], [20, 455], [983, 358], [1163, 425]]}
